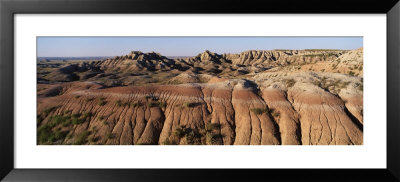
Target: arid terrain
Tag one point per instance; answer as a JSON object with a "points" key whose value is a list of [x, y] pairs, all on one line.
{"points": [[271, 97]]}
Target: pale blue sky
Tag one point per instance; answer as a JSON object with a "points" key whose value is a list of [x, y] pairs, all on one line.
{"points": [[183, 46]]}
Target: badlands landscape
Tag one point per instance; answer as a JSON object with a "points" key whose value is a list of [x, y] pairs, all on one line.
{"points": [[256, 97]]}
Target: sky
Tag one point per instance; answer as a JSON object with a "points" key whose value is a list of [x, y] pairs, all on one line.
{"points": [[182, 46]]}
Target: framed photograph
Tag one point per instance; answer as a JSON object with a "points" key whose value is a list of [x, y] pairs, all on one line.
{"points": [[199, 91]]}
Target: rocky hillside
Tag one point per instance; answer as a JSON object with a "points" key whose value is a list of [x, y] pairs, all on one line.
{"points": [[251, 98], [136, 62]]}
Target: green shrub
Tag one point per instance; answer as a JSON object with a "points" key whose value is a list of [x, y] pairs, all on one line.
{"points": [[67, 123], [81, 138], [137, 104], [45, 135], [76, 121], [109, 135], [39, 120], [179, 131], [351, 73], [155, 104], [102, 102], [86, 115], [118, 103], [56, 120], [47, 111], [76, 115]]}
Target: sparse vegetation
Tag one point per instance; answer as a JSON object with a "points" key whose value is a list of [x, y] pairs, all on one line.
{"points": [[212, 126], [174, 82], [361, 87], [109, 135], [259, 111], [166, 142], [275, 113], [187, 104], [332, 85], [47, 111], [81, 138], [152, 104], [118, 103], [198, 136], [137, 104], [39, 119], [133, 94], [162, 104], [102, 102], [46, 133], [179, 131], [290, 82]]}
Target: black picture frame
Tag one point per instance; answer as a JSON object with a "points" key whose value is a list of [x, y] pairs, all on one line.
{"points": [[9, 8]]}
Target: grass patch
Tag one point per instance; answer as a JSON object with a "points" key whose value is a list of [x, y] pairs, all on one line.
{"points": [[45, 133]]}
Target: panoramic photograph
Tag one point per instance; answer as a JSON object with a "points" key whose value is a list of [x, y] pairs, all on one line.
{"points": [[199, 90]]}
